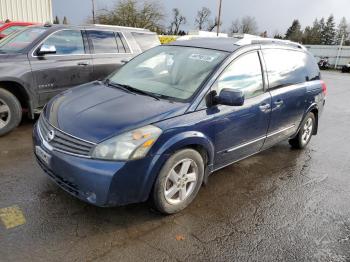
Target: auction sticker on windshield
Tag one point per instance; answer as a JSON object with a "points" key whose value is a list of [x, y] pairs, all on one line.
{"points": [[206, 58]]}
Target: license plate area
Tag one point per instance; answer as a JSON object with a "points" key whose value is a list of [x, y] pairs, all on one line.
{"points": [[42, 155]]}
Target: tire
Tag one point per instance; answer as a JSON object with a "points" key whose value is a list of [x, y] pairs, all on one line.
{"points": [[305, 133], [10, 112], [182, 192]]}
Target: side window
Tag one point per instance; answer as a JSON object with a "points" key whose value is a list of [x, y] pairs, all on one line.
{"points": [[67, 42], [244, 74], [313, 71], [104, 42], [285, 67], [12, 29], [145, 41], [122, 45]]}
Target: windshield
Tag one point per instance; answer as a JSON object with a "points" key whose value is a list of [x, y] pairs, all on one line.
{"points": [[20, 40], [174, 72]]}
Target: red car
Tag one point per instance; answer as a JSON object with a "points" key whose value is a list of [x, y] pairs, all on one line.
{"points": [[10, 27]]}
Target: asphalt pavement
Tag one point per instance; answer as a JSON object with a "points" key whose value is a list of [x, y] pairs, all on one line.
{"points": [[279, 205]]}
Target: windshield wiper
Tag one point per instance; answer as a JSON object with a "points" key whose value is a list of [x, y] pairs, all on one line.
{"points": [[110, 83], [138, 91]]}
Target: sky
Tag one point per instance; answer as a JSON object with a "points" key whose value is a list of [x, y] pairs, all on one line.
{"points": [[274, 16]]}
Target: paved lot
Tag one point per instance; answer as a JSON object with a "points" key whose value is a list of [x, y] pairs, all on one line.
{"points": [[282, 205]]}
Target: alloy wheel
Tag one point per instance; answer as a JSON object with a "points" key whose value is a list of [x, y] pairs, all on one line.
{"points": [[307, 131], [5, 114], [181, 181]]}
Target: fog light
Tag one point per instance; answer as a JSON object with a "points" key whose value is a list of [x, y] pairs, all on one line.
{"points": [[91, 197]]}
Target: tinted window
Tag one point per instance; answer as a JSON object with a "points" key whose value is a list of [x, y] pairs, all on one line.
{"points": [[12, 29], [146, 41], [67, 42], [20, 40], [313, 71], [125, 44], [285, 67], [104, 42], [244, 74]]}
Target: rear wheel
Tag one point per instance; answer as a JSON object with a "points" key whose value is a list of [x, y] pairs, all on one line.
{"points": [[305, 133], [10, 112], [178, 182]]}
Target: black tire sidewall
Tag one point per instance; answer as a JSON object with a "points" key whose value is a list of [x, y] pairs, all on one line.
{"points": [[159, 201], [15, 111]]}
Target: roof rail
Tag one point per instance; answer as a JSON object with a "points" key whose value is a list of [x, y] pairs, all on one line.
{"points": [[278, 41], [125, 27], [246, 39]]}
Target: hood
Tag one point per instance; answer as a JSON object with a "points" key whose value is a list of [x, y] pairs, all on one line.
{"points": [[95, 112]]}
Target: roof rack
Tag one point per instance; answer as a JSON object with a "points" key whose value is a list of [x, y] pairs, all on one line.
{"points": [[125, 27]]}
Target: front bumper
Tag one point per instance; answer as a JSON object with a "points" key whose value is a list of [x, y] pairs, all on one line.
{"points": [[99, 182]]}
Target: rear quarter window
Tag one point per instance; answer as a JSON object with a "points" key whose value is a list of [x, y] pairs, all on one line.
{"points": [[286, 67], [108, 42], [146, 41], [313, 70]]}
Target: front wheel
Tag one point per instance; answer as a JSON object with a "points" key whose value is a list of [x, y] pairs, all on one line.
{"points": [[178, 182], [10, 112], [305, 133]]}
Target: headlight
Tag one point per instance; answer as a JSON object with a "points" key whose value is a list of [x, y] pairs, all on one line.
{"points": [[131, 145]]}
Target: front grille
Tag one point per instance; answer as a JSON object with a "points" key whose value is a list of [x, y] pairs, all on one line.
{"points": [[63, 142]]}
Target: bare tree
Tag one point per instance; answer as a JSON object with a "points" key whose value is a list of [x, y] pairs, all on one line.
{"points": [[213, 24], [249, 25], [202, 18], [235, 26], [144, 14], [246, 25], [178, 20]]}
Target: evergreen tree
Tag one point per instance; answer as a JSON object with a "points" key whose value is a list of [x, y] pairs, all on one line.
{"points": [[313, 35], [56, 20], [65, 21], [343, 30], [294, 32], [329, 32]]}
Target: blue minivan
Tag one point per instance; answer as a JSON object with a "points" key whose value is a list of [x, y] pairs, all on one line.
{"points": [[158, 127]]}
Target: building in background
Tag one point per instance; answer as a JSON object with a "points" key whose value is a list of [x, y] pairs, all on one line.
{"points": [[37, 11]]}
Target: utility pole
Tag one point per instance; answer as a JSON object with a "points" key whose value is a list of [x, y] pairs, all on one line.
{"points": [[219, 19], [339, 52], [93, 12]]}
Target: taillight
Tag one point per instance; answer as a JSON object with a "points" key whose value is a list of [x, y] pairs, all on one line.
{"points": [[324, 88]]}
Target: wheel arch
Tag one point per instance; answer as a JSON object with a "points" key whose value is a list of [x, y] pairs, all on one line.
{"points": [[194, 140], [19, 92]]}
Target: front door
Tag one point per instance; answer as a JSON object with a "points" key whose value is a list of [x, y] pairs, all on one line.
{"points": [[70, 66], [241, 131]]}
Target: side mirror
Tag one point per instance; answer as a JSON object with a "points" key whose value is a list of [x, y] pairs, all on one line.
{"points": [[125, 61], [47, 49], [230, 97]]}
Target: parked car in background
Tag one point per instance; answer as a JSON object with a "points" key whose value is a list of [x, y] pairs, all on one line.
{"points": [[175, 114], [346, 68], [39, 62], [11, 27]]}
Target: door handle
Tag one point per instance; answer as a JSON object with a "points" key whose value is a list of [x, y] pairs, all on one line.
{"points": [[265, 107], [83, 64], [278, 103]]}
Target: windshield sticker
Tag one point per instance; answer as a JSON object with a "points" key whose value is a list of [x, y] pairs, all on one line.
{"points": [[206, 58]]}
